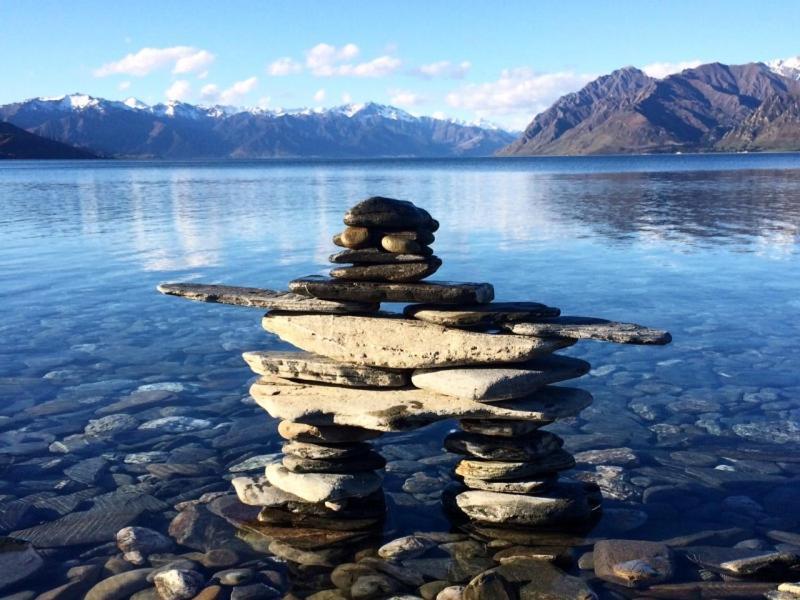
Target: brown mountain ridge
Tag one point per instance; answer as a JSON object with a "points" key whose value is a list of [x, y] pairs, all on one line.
{"points": [[711, 108]]}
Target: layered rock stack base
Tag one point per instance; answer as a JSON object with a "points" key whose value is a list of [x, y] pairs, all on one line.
{"points": [[452, 353]]}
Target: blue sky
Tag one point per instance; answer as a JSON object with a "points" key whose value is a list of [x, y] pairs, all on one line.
{"points": [[502, 60]]}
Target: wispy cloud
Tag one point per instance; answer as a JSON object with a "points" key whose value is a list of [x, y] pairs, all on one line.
{"points": [[660, 70], [181, 59], [179, 90], [443, 69], [232, 95], [405, 98], [517, 95], [284, 66]]}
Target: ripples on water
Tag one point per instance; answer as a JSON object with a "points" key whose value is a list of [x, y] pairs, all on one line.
{"points": [[705, 246]]}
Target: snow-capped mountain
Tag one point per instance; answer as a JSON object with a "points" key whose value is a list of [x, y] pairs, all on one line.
{"points": [[786, 67], [175, 129]]}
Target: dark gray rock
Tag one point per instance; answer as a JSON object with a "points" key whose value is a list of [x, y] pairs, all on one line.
{"points": [[401, 272], [380, 212], [375, 256], [261, 298], [370, 461], [18, 561], [87, 471], [530, 447], [78, 528], [137, 543], [495, 313], [433, 292], [591, 328]]}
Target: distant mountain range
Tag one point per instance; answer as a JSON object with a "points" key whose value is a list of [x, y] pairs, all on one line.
{"points": [[18, 143], [711, 108], [184, 131]]}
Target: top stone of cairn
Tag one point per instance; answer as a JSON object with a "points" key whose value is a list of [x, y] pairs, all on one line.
{"points": [[388, 212]]}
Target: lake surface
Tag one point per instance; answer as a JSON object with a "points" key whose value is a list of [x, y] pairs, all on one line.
{"points": [[707, 247]]}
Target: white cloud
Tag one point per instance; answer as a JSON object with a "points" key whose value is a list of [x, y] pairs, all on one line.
{"points": [[517, 95], [284, 66], [443, 69], [123, 85], [181, 59], [662, 69], [405, 98], [179, 90], [229, 96], [347, 98], [325, 60], [320, 95], [264, 102], [209, 92]]}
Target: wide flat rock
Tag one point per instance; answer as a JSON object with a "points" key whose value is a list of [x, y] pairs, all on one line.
{"points": [[493, 313], [512, 486], [261, 298], [404, 409], [402, 343], [490, 384], [588, 328], [433, 292], [565, 504], [306, 366], [96, 526], [401, 272], [374, 256], [323, 487], [487, 470]]}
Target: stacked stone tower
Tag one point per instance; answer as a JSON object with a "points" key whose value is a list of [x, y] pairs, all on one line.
{"points": [[452, 353]]}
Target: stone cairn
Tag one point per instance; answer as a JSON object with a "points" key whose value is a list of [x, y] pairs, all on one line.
{"points": [[451, 354]]}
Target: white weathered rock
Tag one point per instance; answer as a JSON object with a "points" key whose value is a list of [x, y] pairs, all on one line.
{"points": [[517, 486], [136, 543], [178, 584], [306, 366], [588, 328], [402, 343], [257, 491], [410, 546], [323, 487], [260, 298], [490, 384], [397, 410]]}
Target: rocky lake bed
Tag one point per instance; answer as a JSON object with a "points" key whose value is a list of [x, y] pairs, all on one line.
{"points": [[126, 417]]}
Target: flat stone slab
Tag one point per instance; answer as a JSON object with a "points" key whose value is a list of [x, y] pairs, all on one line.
{"points": [[530, 447], [433, 292], [560, 460], [323, 487], [490, 384], [399, 410], [512, 486], [401, 272], [564, 505], [588, 328], [306, 366], [371, 461], [402, 343], [493, 313], [261, 298], [374, 256], [498, 428], [325, 451], [334, 434]]}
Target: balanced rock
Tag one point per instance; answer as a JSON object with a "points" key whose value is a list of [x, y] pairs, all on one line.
{"points": [[541, 483], [397, 410], [400, 244], [325, 451], [564, 505], [380, 212], [401, 272], [323, 487], [531, 447], [495, 313], [587, 328], [376, 256], [490, 384], [501, 470], [354, 237], [356, 464], [499, 427], [260, 298], [332, 434], [306, 366], [368, 292], [402, 343]]}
